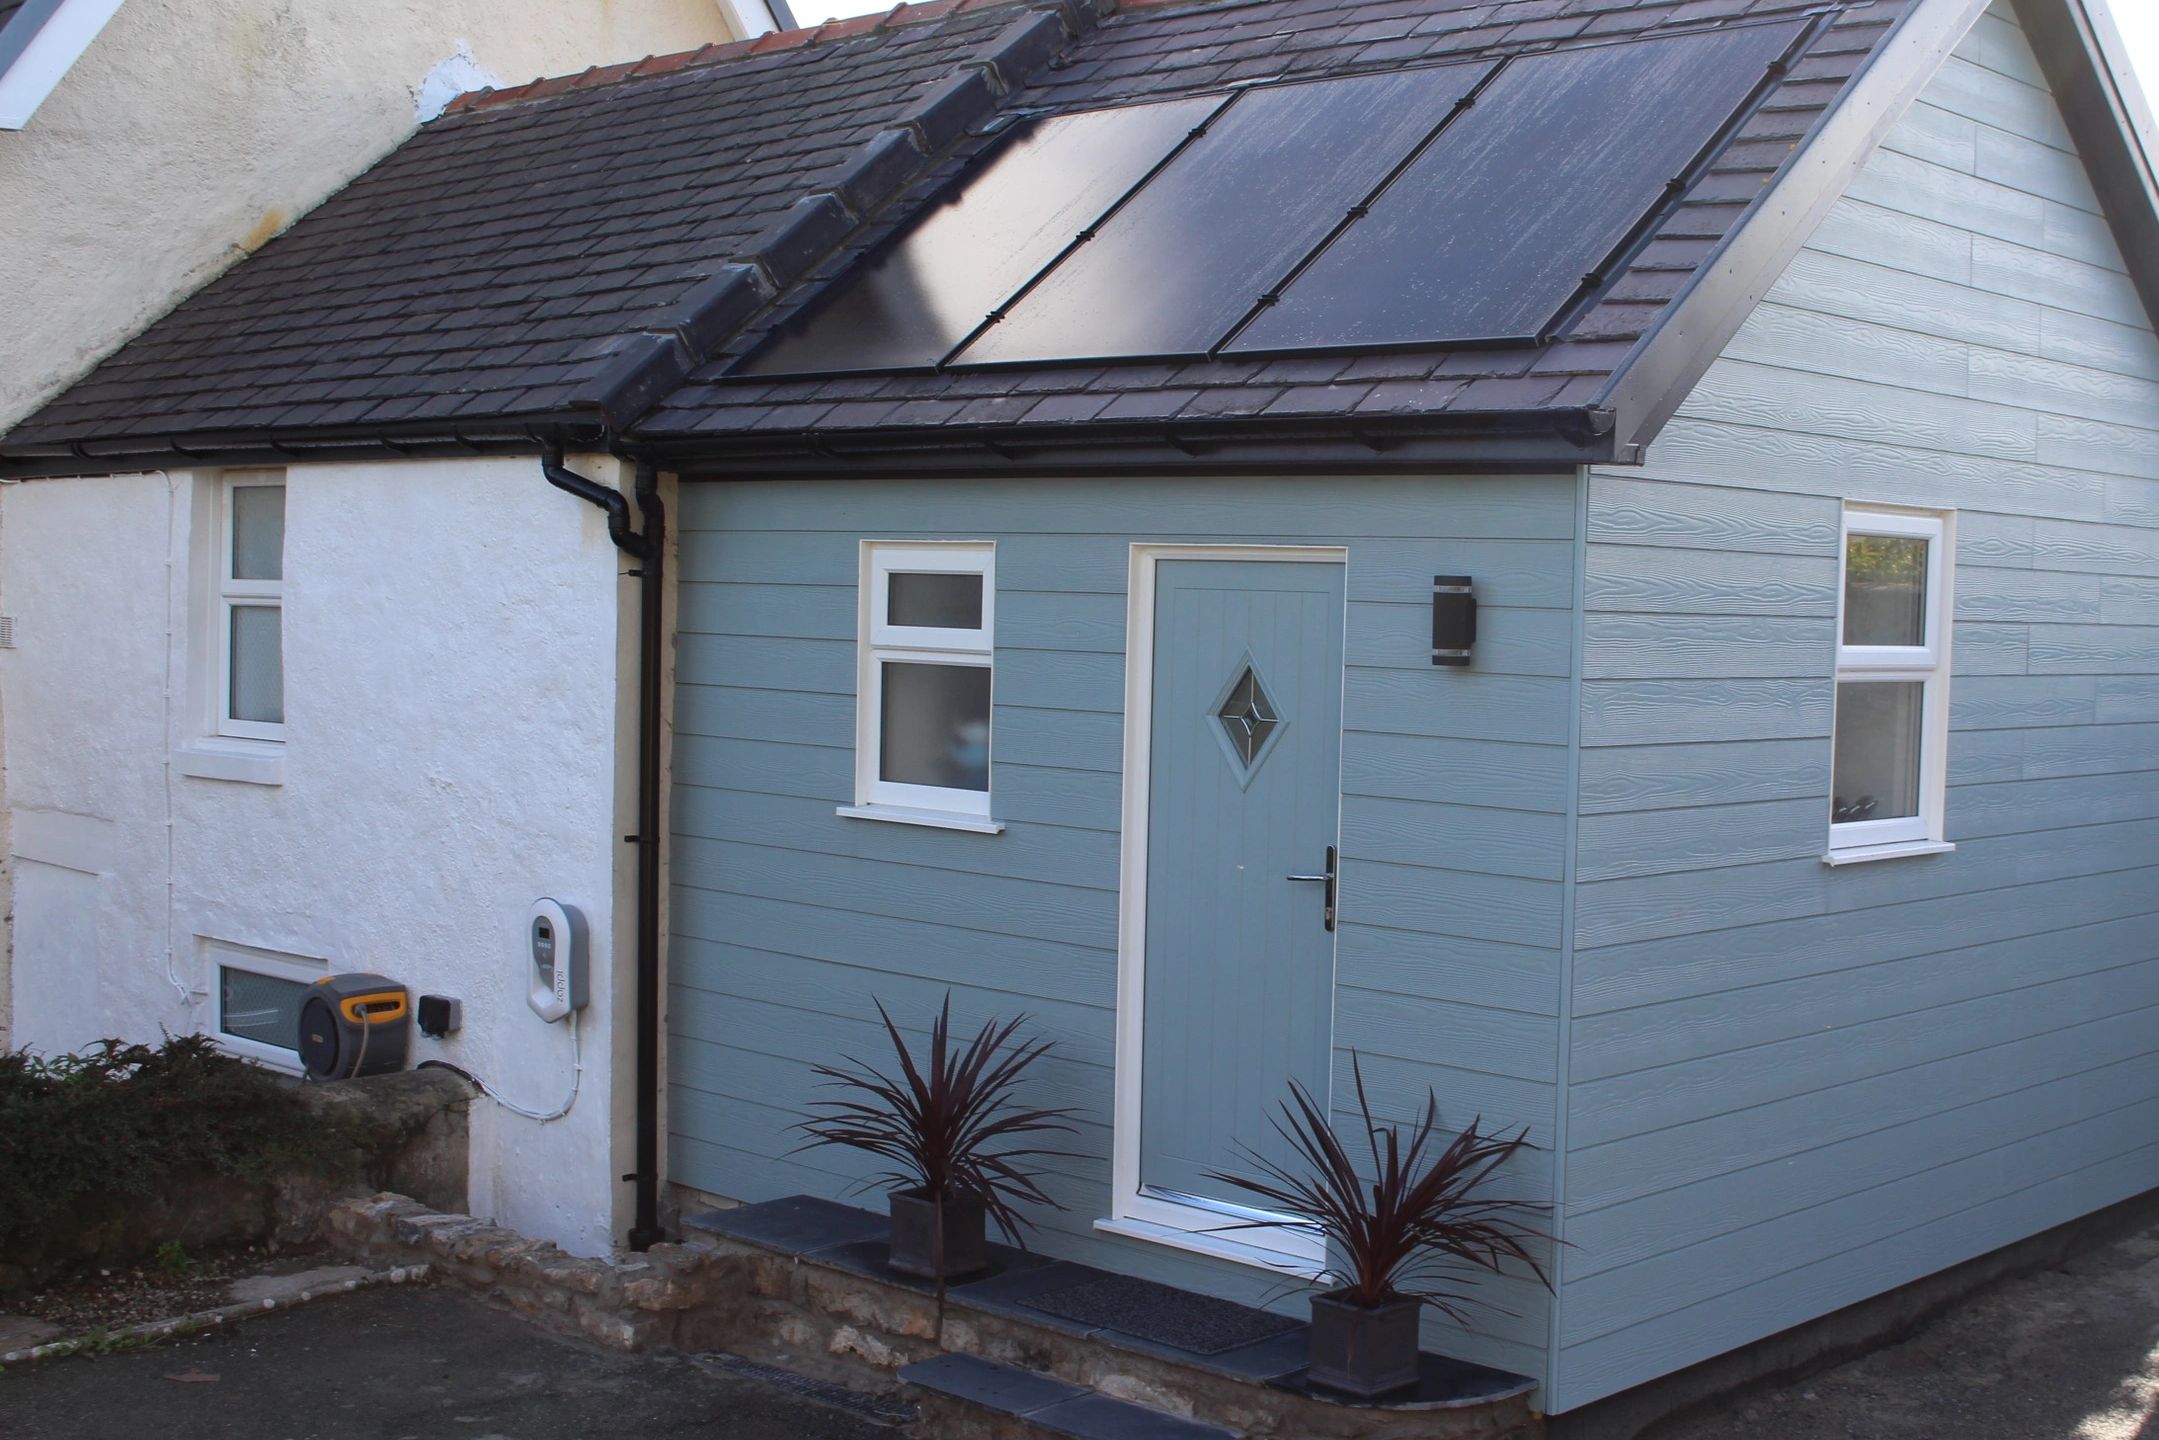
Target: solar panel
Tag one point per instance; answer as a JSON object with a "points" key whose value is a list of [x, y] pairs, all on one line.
{"points": [[910, 304], [1489, 234], [1174, 270]]}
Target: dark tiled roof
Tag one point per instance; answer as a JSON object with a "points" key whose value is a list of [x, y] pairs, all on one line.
{"points": [[1152, 53], [515, 259], [576, 247]]}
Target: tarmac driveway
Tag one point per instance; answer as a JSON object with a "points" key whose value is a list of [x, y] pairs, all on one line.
{"points": [[388, 1364], [2068, 1354]]}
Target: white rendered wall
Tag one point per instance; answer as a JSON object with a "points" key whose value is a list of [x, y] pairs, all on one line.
{"points": [[191, 131], [459, 639]]}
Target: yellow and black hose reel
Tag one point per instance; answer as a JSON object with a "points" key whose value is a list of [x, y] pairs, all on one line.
{"points": [[354, 1025]]}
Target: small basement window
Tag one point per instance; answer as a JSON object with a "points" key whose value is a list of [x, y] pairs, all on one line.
{"points": [[926, 658], [1890, 760], [258, 995]]}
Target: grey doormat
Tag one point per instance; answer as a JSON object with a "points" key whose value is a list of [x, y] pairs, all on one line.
{"points": [[1161, 1314]]}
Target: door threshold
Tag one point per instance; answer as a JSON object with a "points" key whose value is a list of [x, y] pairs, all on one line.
{"points": [[1218, 1245]]}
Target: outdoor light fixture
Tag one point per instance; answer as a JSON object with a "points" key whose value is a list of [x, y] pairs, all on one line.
{"points": [[1454, 619]]}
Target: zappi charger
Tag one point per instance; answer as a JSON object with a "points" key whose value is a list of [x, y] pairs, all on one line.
{"points": [[555, 948]]}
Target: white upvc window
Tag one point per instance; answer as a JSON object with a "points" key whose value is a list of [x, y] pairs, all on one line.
{"points": [[926, 659], [258, 996], [250, 612], [1889, 768]]}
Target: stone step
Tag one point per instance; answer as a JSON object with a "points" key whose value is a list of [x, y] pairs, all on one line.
{"points": [[1021, 1402]]}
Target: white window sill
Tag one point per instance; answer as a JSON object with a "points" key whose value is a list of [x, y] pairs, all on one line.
{"points": [[1865, 854], [934, 819], [250, 762], [1220, 1246]]}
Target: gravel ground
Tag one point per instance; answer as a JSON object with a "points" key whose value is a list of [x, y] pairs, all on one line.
{"points": [[2068, 1354], [411, 1363]]}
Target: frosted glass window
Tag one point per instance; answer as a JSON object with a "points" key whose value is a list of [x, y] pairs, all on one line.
{"points": [[261, 1008], [936, 726], [925, 659], [258, 532], [935, 602], [258, 665], [1880, 729], [1885, 590]]}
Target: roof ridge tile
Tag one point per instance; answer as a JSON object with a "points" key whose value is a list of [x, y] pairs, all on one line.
{"points": [[772, 41]]}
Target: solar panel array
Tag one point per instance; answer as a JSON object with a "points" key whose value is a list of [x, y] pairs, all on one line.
{"points": [[1446, 205]]}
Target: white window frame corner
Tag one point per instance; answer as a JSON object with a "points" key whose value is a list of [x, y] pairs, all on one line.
{"points": [[878, 642], [219, 955], [1927, 664], [225, 595]]}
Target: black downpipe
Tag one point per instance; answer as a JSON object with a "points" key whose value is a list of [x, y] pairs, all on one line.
{"points": [[651, 642], [650, 549], [614, 502]]}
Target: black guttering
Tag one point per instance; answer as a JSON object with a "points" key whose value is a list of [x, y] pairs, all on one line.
{"points": [[2081, 53], [1651, 383], [649, 549]]}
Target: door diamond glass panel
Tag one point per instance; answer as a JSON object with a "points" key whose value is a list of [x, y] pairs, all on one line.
{"points": [[1249, 717]]}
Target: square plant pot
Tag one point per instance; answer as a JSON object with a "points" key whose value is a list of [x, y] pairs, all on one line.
{"points": [[914, 1236], [1364, 1352]]}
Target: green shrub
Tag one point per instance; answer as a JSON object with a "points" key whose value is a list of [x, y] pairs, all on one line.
{"points": [[122, 1119]]}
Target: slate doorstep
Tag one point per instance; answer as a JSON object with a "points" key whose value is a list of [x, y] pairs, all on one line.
{"points": [[251, 1295], [1049, 1406]]}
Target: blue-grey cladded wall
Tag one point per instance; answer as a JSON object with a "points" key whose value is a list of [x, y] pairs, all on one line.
{"points": [[1791, 1087], [787, 919]]}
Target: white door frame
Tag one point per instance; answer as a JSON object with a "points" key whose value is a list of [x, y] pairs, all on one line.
{"points": [[1209, 1228]]}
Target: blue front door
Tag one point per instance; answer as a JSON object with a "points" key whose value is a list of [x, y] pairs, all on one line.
{"points": [[1243, 794]]}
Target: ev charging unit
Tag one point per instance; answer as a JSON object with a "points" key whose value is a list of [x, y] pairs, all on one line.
{"points": [[558, 960]]}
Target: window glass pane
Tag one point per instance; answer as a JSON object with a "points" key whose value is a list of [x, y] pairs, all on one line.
{"points": [[262, 1008], [1885, 590], [258, 532], [1877, 750], [937, 726], [258, 664], [937, 602]]}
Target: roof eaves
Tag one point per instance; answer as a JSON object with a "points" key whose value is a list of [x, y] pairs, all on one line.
{"points": [[1686, 339], [1560, 438], [2082, 55]]}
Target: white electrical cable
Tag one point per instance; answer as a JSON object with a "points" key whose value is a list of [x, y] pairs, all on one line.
{"points": [[577, 1079]]}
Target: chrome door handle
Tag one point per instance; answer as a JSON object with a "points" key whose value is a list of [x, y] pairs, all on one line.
{"points": [[1328, 880]]}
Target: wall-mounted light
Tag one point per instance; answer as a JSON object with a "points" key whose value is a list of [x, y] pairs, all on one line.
{"points": [[1454, 619]]}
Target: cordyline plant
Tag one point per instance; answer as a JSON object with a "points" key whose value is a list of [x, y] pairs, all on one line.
{"points": [[947, 1125], [1405, 1233]]}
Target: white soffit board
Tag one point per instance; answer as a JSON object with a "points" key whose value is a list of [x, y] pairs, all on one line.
{"points": [[752, 18], [31, 74]]}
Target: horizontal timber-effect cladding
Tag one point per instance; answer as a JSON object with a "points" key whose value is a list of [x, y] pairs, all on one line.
{"points": [[788, 918], [1792, 1087]]}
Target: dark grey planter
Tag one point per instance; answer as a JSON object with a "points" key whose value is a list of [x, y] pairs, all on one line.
{"points": [[1363, 1352], [914, 1236]]}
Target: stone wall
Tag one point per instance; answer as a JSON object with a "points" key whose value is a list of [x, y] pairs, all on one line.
{"points": [[410, 1134]]}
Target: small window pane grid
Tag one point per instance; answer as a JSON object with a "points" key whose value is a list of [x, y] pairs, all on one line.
{"points": [[251, 620], [1267, 221], [1888, 766], [927, 655]]}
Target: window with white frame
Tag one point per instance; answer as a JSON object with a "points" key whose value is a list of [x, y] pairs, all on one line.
{"points": [[1889, 765], [250, 618], [927, 649], [258, 994]]}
